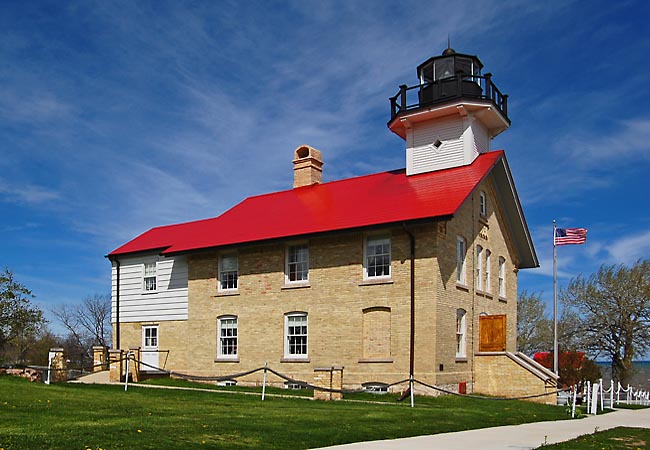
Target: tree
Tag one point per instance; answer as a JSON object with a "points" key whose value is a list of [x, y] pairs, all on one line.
{"points": [[88, 323], [613, 313], [19, 320], [574, 367], [534, 328]]}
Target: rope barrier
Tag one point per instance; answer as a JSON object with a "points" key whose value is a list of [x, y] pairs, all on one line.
{"points": [[306, 384], [639, 396], [482, 397]]}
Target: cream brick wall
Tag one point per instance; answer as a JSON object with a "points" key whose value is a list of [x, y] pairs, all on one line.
{"points": [[336, 298], [490, 233], [498, 375]]}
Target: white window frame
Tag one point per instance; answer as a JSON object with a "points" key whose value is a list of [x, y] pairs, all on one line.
{"points": [[482, 204], [225, 333], [461, 260], [150, 337], [290, 321], [148, 286], [293, 261], [225, 274], [502, 277], [488, 284], [479, 267], [370, 257], [461, 333]]}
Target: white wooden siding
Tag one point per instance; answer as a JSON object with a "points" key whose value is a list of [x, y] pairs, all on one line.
{"points": [[424, 158], [463, 139], [168, 302], [481, 139]]}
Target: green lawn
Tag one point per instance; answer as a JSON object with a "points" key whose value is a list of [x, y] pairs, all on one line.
{"points": [[621, 438], [73, 416]]}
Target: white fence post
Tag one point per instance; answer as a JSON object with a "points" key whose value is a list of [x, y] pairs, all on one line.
{"points": [[264, 382], [594, 399], [573, 406]]}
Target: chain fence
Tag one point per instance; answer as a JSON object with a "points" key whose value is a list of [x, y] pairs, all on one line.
{"points": [[594, 395]]}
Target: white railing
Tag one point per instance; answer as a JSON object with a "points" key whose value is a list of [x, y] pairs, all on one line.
{"points": [[597, 396]]}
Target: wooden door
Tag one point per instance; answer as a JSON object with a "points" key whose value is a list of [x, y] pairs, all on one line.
{"points": [[492, 333]]}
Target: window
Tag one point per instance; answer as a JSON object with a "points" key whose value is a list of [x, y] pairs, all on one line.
{"points": [[297, 269], [150, 335], [295, 331], [228, 273], [227, 346], [482, 204], [479, 267], [460, 333], [502, 277], [461, 248], [488, 285], [375, 387], [150, 277], [377, 260]]}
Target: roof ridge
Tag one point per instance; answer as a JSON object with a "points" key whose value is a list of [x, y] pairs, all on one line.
{"points": [[325, 206]]}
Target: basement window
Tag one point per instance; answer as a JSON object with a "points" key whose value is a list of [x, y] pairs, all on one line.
{"points": [[375, 388]]}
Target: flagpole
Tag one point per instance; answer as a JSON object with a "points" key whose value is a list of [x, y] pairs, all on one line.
{"points": [[555, 346]]}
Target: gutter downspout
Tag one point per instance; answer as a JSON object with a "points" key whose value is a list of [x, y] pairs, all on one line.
{"points": [[117, 304], [412, 345]]}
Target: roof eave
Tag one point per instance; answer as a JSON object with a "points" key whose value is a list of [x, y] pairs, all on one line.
{"points": [[515, 215]]}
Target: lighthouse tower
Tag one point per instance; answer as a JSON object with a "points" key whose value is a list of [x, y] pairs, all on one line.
{"points": [[450, 116]]}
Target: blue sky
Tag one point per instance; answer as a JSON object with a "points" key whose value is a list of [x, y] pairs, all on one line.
{"points": [[119, 116]]}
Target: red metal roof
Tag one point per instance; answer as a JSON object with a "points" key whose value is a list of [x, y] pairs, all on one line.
{"points": [[381, 198]]}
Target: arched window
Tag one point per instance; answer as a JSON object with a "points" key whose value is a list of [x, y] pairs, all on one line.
{"points": [[479, 267], [461, 332], [461, 250], [502, 277]]}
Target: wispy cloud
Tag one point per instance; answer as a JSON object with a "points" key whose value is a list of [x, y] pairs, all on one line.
{"points": [[629, 249], [27, 193]]}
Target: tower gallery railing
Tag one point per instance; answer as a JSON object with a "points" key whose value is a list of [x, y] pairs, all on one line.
{"points": [[478, 87]]}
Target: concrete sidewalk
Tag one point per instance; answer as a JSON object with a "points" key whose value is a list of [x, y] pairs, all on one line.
{"points": [[519, 437]]}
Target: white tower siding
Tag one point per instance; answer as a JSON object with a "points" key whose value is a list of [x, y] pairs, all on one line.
{"points": [[461, 138]]}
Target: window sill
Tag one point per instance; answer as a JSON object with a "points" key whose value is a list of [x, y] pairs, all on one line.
{"points": [[376, 360], [294, 360], [296, 286], [227, 360], [149, 292], [373, 282], [462, 287], [460, 359], [503, 299], [484, 294], [483, 219], [227, 294]]}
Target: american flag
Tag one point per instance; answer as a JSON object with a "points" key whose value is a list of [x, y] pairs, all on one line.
{"points": [[568, 236]]}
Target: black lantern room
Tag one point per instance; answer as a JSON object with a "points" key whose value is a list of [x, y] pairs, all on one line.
{"points": [[449, 75], [449, 80]]}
